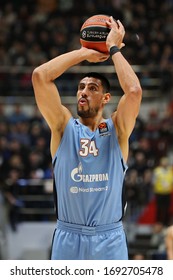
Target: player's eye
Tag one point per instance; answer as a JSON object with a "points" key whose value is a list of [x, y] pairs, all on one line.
{"points": [[92, 88], [81, 87]]}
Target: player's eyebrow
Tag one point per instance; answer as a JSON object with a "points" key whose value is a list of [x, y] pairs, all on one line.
{"points": [[90, 83]]}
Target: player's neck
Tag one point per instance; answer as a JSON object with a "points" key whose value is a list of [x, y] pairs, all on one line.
{"points": [[92, 123]]}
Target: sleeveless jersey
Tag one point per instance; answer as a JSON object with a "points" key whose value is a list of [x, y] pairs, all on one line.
{"points": [[88, 174]]}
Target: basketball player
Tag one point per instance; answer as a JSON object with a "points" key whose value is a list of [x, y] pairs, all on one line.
{"points": [[89, 153]]}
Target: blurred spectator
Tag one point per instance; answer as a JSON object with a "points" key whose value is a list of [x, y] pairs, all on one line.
{"points": [[20, 132], [4, 153], [166, 63], [152, 126], [35, 165], [170, 108], [144, 144], [146, 188], [17, 115], [3, 116], [132, 188], [3, 226], [13, 155], [138, 130], [38, 130], [140, 162], [163, 187], [11, 193]]}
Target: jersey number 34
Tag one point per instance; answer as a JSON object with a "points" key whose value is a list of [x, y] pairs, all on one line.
{"points": [[88, 147]]}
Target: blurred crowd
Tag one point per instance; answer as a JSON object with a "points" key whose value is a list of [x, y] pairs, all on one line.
{"points": [[24, 158], [150, 173], [32, 32]]}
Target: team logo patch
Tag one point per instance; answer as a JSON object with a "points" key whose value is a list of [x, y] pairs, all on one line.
{"points": [[103, 128]]}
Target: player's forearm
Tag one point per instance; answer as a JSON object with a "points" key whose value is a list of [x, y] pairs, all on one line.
{"points": [[58, 65], [127, 78]]}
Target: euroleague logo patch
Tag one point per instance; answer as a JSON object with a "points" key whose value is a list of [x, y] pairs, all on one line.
{"points": [[103, 128], [84, 34]]}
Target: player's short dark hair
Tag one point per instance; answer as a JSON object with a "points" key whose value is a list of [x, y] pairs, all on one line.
{"points": [[103, 79]]}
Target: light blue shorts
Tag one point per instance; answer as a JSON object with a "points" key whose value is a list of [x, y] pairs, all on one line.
{"points": [[76, 242]]}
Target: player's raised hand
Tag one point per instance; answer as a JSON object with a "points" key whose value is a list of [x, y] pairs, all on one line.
{"points": [[116, 34], [94, 56]]}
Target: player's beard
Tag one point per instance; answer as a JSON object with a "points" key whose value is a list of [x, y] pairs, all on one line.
{"points": [[87, 113]]}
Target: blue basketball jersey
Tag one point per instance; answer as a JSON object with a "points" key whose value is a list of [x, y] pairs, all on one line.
{"points": [[89, 171]]}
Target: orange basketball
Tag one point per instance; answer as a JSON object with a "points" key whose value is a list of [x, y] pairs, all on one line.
{"points": [[94, 32]]}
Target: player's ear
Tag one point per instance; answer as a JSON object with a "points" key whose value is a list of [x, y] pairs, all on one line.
{"points": [[106, 97]]}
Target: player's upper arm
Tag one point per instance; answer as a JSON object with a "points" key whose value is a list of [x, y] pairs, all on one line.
{"points": [[127, 112], [48, 100], [125, 116]]}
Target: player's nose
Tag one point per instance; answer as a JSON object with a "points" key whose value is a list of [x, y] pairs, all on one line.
{"points": [[84, 92]]}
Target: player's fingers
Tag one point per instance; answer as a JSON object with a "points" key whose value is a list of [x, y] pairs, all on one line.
{"points": [[111, 23], [120, 24], [104, 58]]}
